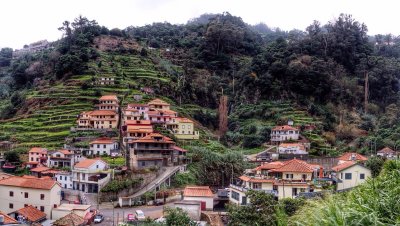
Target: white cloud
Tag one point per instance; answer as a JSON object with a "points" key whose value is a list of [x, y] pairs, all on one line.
{"points": [[26, 21]]}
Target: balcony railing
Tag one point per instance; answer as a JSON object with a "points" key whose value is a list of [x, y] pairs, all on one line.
{"points": [[246, 189]]}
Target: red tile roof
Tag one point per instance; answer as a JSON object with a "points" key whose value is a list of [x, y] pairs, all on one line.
{"points": [[136, 105], [158, 102], [292, 145], [284, 128], [270, 165], [255, 180], [109, 97], [8, 219], [351, 156], [138, 122], [28, 182], [152, 138], [102, 112], [66, 152], [343, 166], [68, 220], [295, 165], [40, 169], [38, 150], [179, 149], [103, 140], [184, 120], [197, 191], [31, 213], [386, 150], [87, 163]]}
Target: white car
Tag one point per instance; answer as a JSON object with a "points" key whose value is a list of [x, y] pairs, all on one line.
{"points": [[98, 218], [139, 215]]}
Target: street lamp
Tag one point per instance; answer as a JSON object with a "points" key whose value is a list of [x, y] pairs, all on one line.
{"points": [[113, 213]]}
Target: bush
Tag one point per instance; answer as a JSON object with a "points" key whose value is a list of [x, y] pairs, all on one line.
{"points": [[252, 141]]}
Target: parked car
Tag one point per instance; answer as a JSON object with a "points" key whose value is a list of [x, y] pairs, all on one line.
{"points": [[139, 215], [98, 218], [158, 202]]}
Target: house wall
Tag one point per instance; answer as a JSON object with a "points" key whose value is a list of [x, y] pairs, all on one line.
{"points": [[106, 123], [51, 197], [355, 180], [296, 176], [101, 149], [284, 135], [34, 156], [65, 180], [286, 191], [209, 201], [193, 210], [236, 196]]}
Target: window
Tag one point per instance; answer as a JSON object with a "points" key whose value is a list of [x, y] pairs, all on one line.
{"points": [[347, 176], [289, 176], [183, 126], [143, 163], [256, 185], [104, 146], [65, 178], [42, 208], [11, 206], [32, 159], [11, 194], [41, 196], [362, 176], [55, 206], [98, 146], [97, 166], [60, 177], [235, 195], [25, 205], [244, 200], [26, 195]]}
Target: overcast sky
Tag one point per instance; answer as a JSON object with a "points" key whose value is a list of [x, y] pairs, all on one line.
{"points": [[25, 21]]}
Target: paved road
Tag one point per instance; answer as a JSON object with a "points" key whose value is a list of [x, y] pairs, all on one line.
{"points": [[121, 214]]}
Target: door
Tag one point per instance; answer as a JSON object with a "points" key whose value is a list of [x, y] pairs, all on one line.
{"points": [[203, 205], [294, 191]]}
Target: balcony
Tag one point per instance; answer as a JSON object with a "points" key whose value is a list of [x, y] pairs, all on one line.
{"points": [[245, 189]]}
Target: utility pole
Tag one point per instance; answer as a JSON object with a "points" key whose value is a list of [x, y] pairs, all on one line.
{"points": [[366, 88]]}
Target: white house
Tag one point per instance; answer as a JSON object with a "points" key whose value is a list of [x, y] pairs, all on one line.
{"points": [[104, 146], [90, 175], [200, 193], [292, 148], [67, 208], [64, 178], [387, 153], [284, 133], [61, 158], [350, 174], [351, 156], [18, 192]]}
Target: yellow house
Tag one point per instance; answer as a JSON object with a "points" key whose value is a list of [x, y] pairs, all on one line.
{"points": [[350, 174], [183, 128], [98, 119], [158, 104], [18, 192]]}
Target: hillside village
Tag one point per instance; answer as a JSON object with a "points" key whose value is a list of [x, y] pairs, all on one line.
{"points": [[143, 127], [147, 140]]}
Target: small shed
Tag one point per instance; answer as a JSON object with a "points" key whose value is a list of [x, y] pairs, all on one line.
{"points": [[200, 193]]}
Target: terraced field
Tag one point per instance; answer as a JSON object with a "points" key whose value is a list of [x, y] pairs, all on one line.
{"points": [[49, 125]]}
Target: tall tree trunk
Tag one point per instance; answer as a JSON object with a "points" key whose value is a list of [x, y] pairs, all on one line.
{"points": [[223, 115]]}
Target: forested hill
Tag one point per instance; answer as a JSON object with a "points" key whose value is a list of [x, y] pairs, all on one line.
{"points": [[321, 71]]}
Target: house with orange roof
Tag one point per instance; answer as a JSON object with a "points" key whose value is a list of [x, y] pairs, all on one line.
{"points": [[350, 174], [387, 153], [282, 179], [135, 129], [135, 112], [151, 150], [62, 158], [161, 116], [182, 128], [7, 220], [90, 175], [351, 156], [104, 146], [19, 192], [37, 155], [292, 149], [202, 194], [29, 215], [83, 120], [109, 103], [98, 119], [159, 104], [284, 133]]}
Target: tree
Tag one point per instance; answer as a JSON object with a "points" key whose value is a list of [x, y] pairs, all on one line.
{"points": [[12, 156], [5, 57], [223, 115], [261, 211], [178, 217], [375, 164]]}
